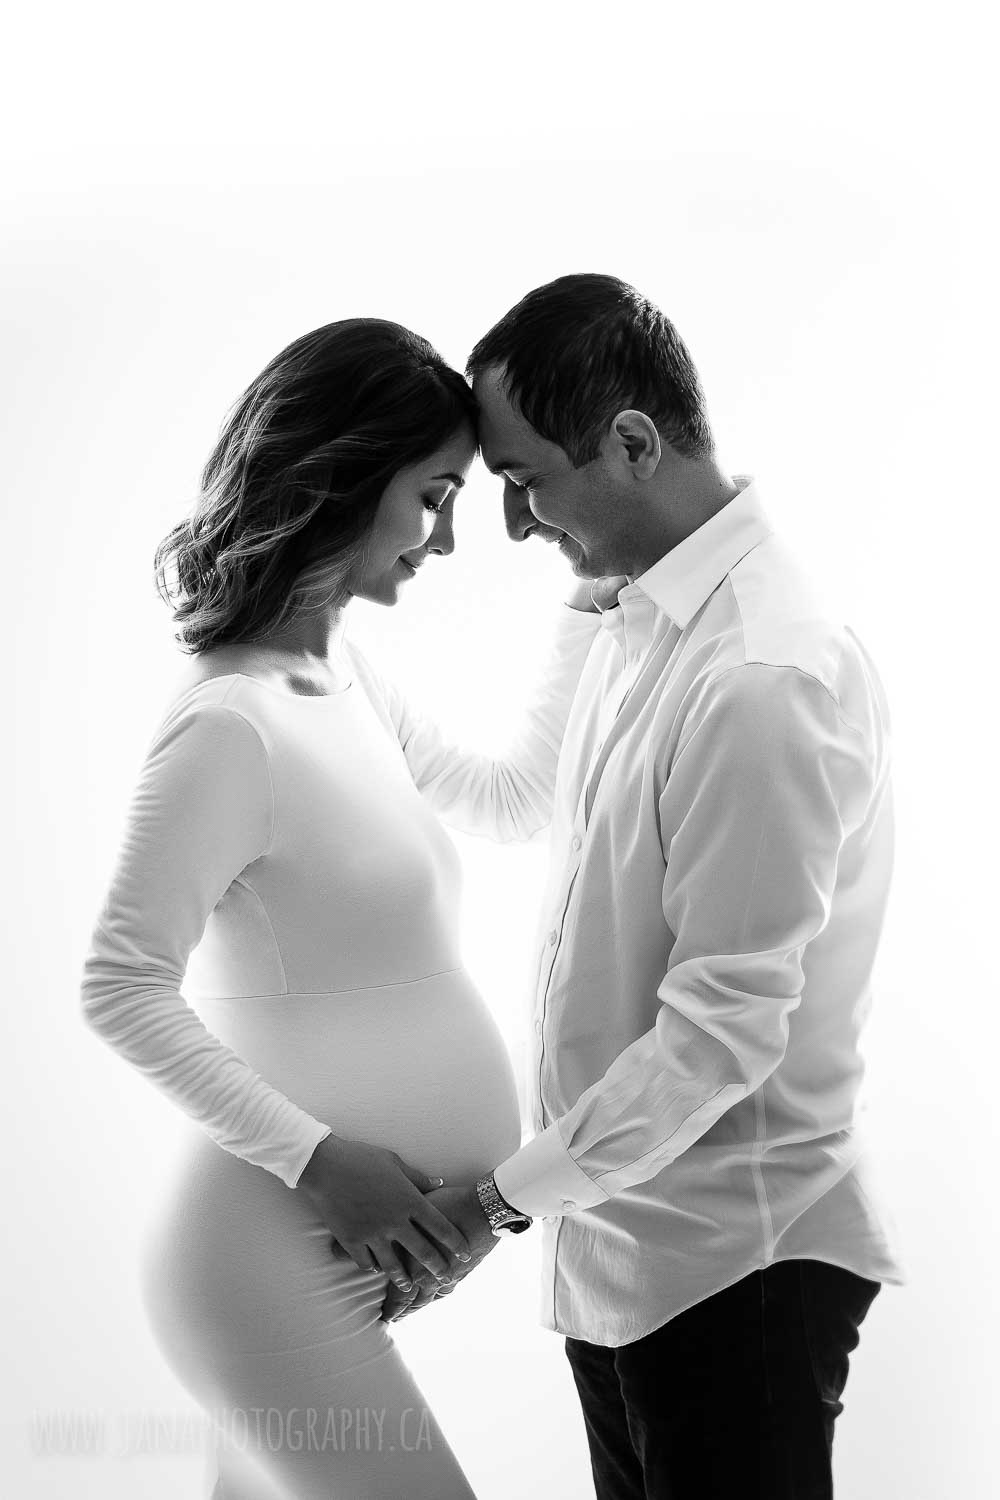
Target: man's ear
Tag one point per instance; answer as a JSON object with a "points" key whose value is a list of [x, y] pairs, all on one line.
{"points": [[633, 440]]}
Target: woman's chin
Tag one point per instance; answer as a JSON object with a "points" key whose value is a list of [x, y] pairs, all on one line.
{"points": [[385, 590]]}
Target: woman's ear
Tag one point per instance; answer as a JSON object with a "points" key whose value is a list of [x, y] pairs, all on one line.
{"points": [[633, 440]]}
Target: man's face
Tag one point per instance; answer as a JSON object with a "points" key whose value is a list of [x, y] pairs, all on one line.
{"points": [[543, 494]]}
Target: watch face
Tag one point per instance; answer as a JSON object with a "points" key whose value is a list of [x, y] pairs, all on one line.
{"points": [[514, 1226]]}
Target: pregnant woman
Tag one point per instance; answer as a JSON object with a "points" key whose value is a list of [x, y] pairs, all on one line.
{"points": [[283, 836]]}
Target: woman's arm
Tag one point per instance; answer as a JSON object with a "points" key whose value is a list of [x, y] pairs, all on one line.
{"points": [[509, 796], [201, 815]]}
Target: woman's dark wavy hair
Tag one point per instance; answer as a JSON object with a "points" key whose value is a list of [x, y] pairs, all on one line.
{"points": [[583, 348], [290, 491]]}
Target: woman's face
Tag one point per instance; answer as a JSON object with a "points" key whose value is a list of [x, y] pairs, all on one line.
{"points": [[414, 517]]}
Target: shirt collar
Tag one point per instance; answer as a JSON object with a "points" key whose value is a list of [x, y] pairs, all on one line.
{"points": [[681, 581]]}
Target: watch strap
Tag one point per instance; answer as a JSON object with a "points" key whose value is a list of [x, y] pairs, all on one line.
{"points": [[503, 1218]]}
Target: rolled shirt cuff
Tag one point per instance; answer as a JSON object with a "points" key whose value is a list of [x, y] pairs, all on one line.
{"points": [[543, 1180]]}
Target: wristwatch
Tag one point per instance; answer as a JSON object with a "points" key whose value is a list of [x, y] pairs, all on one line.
{"points": [[503, 1219]]}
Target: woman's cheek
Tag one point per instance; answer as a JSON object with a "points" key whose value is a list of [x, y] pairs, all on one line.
{"points": [[427, 521]]}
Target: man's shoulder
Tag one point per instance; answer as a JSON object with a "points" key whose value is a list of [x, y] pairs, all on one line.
{"points": [[770, 612], [785, 618]]}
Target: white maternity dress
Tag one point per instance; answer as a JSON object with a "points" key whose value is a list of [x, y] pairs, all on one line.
{"points": [[291, 845]]}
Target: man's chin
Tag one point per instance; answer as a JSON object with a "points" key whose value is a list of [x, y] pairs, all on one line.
{"points": [[576, 557], [582, 566]]}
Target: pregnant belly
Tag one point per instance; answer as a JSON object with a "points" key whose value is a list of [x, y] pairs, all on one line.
{"points": [[235, 1262], [420, 1068]]}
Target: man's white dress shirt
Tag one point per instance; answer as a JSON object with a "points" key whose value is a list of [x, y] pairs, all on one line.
{"points": [[721, 849]]}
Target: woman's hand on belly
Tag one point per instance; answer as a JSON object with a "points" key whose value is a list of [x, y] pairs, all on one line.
{"points": [[373, 1202]]}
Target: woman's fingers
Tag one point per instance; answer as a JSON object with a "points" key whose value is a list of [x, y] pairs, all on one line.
{"points": [[420, 1180], [425, 1252], [433, 1223], [361, 1255], [388, 1261]]}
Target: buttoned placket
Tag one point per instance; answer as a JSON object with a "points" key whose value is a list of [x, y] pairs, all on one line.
{"points": [[631, 626]]}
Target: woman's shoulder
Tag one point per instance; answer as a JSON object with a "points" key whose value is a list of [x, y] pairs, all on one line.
{"points": [[220, 665], [210, 706], [198, 684]]}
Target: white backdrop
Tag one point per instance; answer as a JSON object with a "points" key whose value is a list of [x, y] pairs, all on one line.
{"points": [[808, 196]]}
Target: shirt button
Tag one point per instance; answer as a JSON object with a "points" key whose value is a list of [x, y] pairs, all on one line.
{"points": [[553, 937], [568, 1204], [577, 841], [538, 1028]]}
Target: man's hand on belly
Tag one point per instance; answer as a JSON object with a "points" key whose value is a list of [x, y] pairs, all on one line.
{"points": [[461, 1205]]}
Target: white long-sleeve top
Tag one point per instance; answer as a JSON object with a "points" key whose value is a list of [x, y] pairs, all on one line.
{"points": [[721, 851], [281, 842]]}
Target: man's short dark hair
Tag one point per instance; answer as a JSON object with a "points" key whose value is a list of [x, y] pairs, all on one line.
{"points": [[581, 349]]}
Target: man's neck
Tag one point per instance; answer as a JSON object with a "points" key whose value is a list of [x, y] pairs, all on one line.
{"points": [[689, 494]]}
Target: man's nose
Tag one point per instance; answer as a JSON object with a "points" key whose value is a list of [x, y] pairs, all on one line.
{"points": [[517, 513]]}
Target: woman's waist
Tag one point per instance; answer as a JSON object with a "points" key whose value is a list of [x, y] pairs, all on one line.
{"points": [[448, 980], [351, 1049]]}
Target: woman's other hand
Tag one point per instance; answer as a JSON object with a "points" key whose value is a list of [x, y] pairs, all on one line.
{"points": [[591, 595]]}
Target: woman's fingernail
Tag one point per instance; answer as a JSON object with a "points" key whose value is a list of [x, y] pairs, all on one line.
{"points": [[404, 1286], [437, 1182], [463, 1256]]}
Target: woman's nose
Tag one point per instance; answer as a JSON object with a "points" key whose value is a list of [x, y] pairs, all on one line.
{"points": [[442, 539]]}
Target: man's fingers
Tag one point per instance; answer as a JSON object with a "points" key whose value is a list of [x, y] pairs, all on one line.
{"points": [[397, 1303], [395, 1306], [414, 1304]]}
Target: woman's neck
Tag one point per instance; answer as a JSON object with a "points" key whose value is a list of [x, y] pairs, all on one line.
{"points": [[313, 639]]}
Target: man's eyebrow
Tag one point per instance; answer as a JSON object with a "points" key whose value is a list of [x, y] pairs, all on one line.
{"points": [[455, 479], [506, 463]]}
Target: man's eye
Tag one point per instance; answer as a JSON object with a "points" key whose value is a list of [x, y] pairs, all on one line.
{"points": [[434, 506]]}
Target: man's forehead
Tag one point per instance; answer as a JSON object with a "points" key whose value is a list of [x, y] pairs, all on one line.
{"points": [[507, 440]]}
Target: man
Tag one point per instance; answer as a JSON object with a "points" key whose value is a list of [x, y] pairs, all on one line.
{"points": [[721, 848]]}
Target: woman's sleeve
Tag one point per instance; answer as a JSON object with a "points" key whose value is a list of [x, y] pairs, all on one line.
{"points": [[509, 796], [201, 814]]}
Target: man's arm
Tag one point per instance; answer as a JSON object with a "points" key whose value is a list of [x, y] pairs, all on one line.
{"points": [[768, 782]]}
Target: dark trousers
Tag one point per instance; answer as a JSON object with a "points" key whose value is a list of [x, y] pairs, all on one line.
{"points": [[734, 1399]]}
